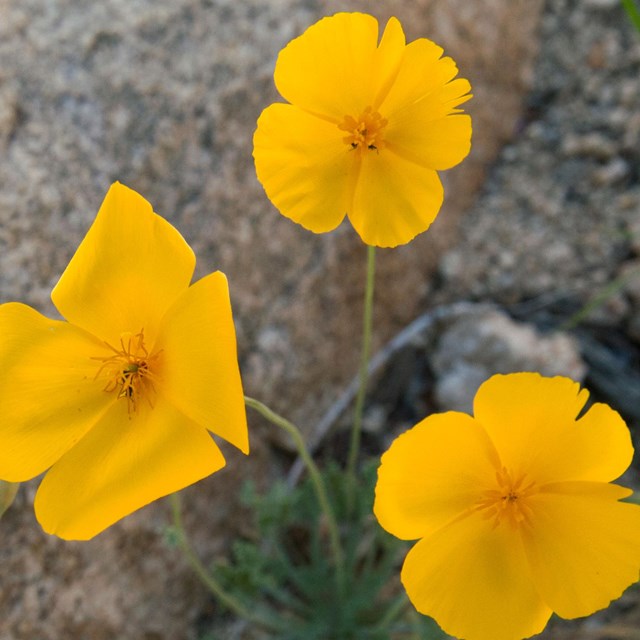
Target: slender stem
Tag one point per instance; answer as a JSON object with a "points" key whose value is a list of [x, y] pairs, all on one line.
{"points": [[205, 576], [316, 479], [634, 13], [354, 448]]}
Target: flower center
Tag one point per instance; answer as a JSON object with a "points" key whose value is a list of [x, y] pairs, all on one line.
{"points": [[365, 132], [509, 502], [129, 370]]}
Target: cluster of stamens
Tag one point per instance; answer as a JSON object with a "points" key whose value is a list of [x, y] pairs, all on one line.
{"points": [[128, 370], [365, 132], [509, 501]]}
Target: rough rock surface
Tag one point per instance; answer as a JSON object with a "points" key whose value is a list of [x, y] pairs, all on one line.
{"points": [[561, 211], [165, 99], [164, 96], [557, 226], [476, 346], [555, 234]]}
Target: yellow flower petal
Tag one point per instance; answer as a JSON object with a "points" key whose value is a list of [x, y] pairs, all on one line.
{"points": [[601, 449], [436, 144], [453, 94], [527, 540], [86, 396], [125, 462], [583, 546], [597, 447], [531, 421], [474, 579], [334, 68], [394, 200], [127, 271], [304, 166], [387, 59], [198, 368], [367, 127], [48, 392], [424, 73], [433, 473]]}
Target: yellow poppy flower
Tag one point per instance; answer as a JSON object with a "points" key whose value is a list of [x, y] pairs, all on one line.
{"points": [[514, 509], [116, 401], [367, 127]]}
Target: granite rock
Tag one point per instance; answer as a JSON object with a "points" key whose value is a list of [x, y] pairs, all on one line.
{"points": [[561, 210], [164, 96], [476, 346]]}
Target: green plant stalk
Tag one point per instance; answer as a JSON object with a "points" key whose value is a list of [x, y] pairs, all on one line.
{"points": [[633, 12], [316, 479], [205, 576], [354, 448]]}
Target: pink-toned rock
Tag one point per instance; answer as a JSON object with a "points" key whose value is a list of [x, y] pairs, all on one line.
{"points": [[164, 97]]}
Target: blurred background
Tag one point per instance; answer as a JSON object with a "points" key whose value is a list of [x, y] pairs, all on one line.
{"points": [[533, 263]]}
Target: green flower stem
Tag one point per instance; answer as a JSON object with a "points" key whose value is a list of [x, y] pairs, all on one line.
{"points": [[634, 13], [205, 576], [354, 448], [316, 479]]}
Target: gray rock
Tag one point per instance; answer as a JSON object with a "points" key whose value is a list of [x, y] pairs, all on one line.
{"points": [[634, 224], [592, 144], [633, 326], [615, 171], [630, 276], [601, 4], [476, 346], [559, 203]]}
